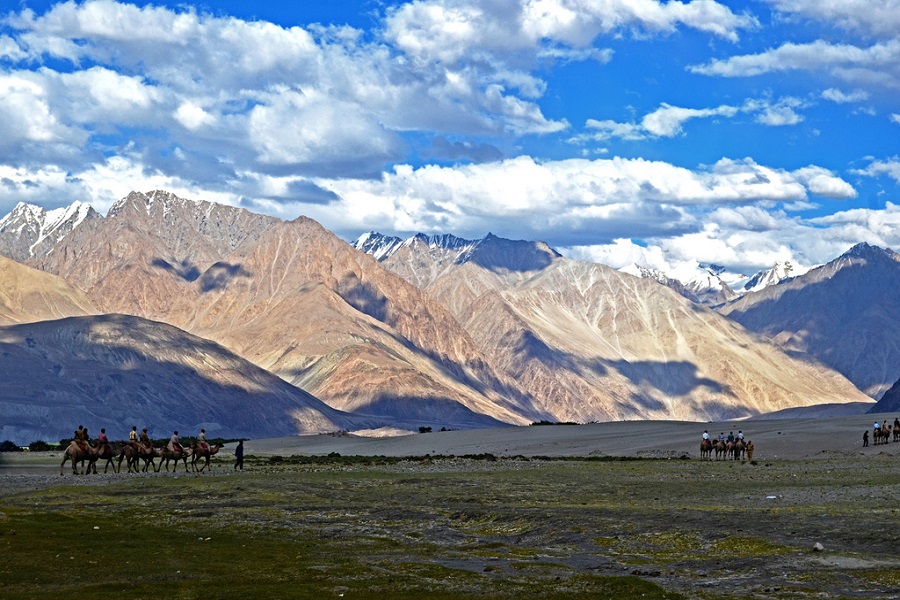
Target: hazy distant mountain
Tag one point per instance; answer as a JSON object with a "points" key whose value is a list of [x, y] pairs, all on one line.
{"points": [[30, 231], [28, 295], [846, 313], [116, 371], [703, 284], [591, 343], [423, 259]]}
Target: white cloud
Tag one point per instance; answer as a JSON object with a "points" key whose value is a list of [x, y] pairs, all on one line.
{"points": [[667, 120], [880, 18], [895, 118], [840, 97], [877, 168], [878, 64], [447, 31], [569, 199], [776, 114]]}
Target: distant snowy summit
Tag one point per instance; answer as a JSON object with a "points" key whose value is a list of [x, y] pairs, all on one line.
{"points": [[30, 230], [714, 285]]}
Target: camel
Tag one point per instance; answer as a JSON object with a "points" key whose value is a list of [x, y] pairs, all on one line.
{"points": [[181, 454], [105, 452], [896, 431], [739, 447], [207, 453], [719, 447], [142, 452], [881, 435], [706, 449], [77, 454]]}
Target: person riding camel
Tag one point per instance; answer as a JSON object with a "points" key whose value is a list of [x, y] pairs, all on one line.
{"points": [[133, 437], [175, 444], [81, 437], [103, 442], [145, 439], [201, 440]]}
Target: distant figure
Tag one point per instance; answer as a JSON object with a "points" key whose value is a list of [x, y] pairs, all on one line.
{"points": [[705, 434], [239, 456], [876, 425], [740, 435], [750, 450], [730, 436], [865, 438], [145, 439], [102, 439], [201, 440], [722, 436], [896, 422], [133, 437]]}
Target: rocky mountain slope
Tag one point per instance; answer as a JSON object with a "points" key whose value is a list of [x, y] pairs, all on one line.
{"points": [[592, 343], [845, 313], [116, 371], [293, 298], [28, 295]]}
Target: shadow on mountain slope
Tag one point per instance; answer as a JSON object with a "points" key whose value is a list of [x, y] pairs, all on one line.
{"points": [[117, 371]]}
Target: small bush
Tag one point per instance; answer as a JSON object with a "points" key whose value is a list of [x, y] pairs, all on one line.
{"points": [[8, 446]]}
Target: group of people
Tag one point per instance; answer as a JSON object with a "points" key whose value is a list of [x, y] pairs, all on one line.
{"points": [[878, 429], [82, 438], [729, 440]]}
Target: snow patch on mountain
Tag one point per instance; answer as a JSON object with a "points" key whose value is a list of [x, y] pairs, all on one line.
{"points": [[30, 230]]}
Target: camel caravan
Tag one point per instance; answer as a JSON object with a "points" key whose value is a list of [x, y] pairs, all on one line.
{"points": [[82, 451], [732, 447], [882, 434]]}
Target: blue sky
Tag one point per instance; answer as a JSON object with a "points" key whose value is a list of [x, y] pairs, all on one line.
{"points": [[663, 133]]}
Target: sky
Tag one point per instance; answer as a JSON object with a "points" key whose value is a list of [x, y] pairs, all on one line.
{"points": [[618, 131]]}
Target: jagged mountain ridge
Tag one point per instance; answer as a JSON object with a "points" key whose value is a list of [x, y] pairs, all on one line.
{"points": [[118, 371], [293, 298], [844, 313], [29, 231], [598, 344]]}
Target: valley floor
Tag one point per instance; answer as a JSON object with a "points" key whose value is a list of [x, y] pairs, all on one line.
{"points": [[305, 525]]}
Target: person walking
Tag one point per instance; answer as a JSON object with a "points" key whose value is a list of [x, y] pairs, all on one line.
{"points": [[239, 456], [865, 438]]}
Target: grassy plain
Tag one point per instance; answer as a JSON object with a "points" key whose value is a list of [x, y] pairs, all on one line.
{"points": [[444, 527]]}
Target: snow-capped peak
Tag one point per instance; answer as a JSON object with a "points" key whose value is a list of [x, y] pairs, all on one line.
{"points": [[781, 271], [29, 228]]}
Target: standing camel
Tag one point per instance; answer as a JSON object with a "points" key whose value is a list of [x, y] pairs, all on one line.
{"points": [[706, 449], [207, 453], [181, 454], [77, 454]]}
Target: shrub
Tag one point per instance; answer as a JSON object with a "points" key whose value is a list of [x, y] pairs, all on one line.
{"points": [[39, 446], [8, 446]]}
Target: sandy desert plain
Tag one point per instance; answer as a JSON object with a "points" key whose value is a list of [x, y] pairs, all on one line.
{"points": [[612, 510]]}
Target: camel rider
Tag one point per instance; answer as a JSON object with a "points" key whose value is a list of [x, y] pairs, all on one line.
{"points": [[201, 440], [175, 444], [103, 442], [730, 436], [741, 435], [133, 437], [80, 437], [145, 439], [705, 435]]}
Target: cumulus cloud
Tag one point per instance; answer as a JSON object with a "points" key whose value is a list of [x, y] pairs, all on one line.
{"points": [[568, 200], [747, 240], [875, 65]]}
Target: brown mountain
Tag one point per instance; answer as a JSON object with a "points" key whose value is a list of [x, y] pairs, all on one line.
{"points": [[845, 313], [116, 371], [293, 298], [595, 344], [28, 295]]}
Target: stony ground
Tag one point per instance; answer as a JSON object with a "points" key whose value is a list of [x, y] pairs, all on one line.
{"points": [[479, 527]]}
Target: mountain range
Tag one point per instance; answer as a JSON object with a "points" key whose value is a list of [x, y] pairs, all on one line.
{"points": [[430, 331]]}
